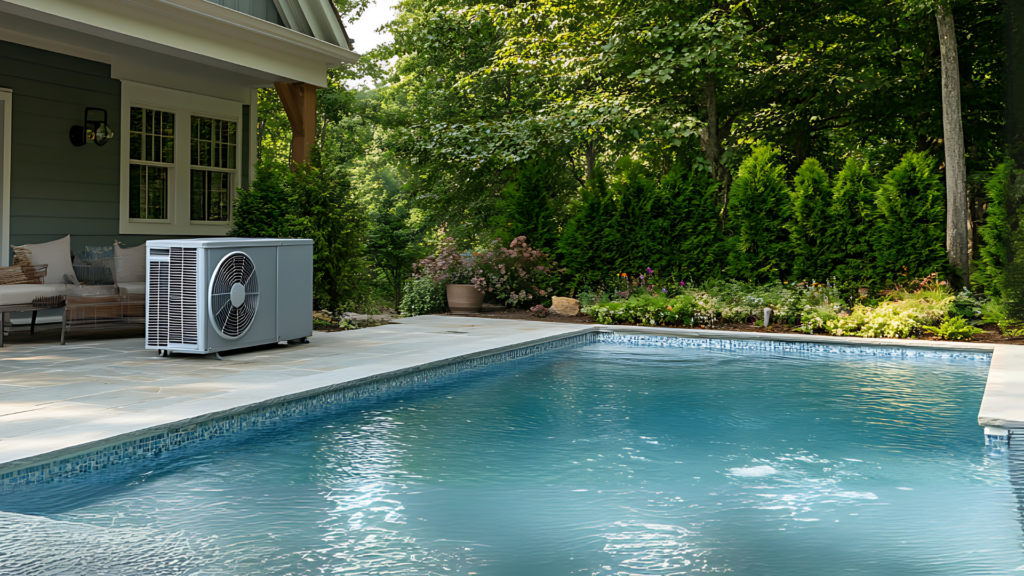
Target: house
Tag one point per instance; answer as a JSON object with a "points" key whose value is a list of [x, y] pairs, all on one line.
{"points": [[176, 83]]}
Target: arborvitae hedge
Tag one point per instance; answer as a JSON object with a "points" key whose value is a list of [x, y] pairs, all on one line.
{"points": [[912, 234], [583, 247], [759, 209], [530, 210], [691, 239], [854, 221], [989, 270], [629, 236], [811, 224]]}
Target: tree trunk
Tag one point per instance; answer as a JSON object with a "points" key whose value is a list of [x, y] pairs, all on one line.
{"points": [[711, 143], [957, 210], [591, 155]]}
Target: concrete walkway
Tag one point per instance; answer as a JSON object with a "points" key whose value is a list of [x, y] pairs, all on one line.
{"points": [[55, 398]]}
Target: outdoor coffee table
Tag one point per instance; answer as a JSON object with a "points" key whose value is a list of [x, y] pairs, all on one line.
{"points": [[34, 309]]}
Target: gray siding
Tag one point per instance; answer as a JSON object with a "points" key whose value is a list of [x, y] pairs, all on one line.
{"points": [[56, 188], [262, 9]]}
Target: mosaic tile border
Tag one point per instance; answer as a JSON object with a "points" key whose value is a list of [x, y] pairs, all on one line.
{"points": [[261, 416], [789, 347]]}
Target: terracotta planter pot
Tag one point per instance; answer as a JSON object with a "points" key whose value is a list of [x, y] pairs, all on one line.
{"points": [[464, 298]]}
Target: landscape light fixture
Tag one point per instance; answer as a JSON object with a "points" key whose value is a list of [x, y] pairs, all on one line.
{"points": [[94, 128]]}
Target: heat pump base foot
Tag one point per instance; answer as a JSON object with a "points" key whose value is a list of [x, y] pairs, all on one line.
{"points": [[217, 355], [302, 340]]}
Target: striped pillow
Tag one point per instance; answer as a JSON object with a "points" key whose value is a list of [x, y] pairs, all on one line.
{"points": [[22, 274]]}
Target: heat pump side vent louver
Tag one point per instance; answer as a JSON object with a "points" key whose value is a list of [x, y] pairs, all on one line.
{"points": [[158, 296], [182, 318]]}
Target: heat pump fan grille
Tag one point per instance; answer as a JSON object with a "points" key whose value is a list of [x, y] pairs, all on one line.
{"points": [[234, 295]]}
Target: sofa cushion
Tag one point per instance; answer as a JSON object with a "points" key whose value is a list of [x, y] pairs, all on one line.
{"points": [[55, 255], [129, 263], [131, 287], [26, 293], [22, 275]]}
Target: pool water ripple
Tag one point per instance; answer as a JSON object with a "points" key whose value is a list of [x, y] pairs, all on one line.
{"points": [[600, 460]]}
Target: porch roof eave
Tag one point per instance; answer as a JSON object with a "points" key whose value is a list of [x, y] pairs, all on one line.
{"points": [[196, 30]]}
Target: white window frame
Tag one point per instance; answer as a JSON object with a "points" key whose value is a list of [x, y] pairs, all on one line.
{"points": [[184, 105], [7, 98]]}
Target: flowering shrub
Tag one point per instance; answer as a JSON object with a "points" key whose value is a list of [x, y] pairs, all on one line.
{"points": [[647, 310], [888, 320], [422, 296], [515, 275], [448, 266], [539, 310]]}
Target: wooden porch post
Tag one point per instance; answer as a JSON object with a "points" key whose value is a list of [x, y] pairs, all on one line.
{"points": [[299, 102]]}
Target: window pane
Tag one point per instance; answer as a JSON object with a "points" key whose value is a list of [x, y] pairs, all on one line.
{"points": [[157, 184], [231, 156], [136, 120], [210, 196], [135, 146], [169, 150], [210, 142], [135, 191], [197, 195], [148, 156], [168, 124]]}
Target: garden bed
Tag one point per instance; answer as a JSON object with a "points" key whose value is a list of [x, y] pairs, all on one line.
{"points": [[990, 335]]}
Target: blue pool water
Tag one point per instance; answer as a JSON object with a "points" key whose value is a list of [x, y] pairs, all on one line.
{"points": [[599, 460]]}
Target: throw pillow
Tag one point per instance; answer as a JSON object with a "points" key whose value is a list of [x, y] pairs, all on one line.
{"points": [[56, 256], [129, 263], [22, 274]]}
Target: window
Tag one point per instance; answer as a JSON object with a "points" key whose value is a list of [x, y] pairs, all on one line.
{"points": [[182, 159], [213, 159], [151, 159]]}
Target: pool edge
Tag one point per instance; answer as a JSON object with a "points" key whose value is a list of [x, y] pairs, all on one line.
{"points": [[145, 442]]}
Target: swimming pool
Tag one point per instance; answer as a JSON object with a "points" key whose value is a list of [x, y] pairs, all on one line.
{"points": [[603, 459]]}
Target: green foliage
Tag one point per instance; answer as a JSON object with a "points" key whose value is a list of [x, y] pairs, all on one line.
{"points": [[812, 223], [650, 310], [954, 328], [989, 271], [393, 243], [516, 276], [262, 210], [912, 233], [422, 295], [682, 235], [531, 211], [759, 209], [586, 241], [322, 208], [854, 220], [887, 320]]}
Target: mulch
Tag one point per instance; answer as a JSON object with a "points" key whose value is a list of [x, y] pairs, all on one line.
{"points": [[990, 335]]}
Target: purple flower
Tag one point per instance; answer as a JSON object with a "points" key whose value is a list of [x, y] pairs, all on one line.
{"points": [[649, 271], [664, 291], [681, 283]]}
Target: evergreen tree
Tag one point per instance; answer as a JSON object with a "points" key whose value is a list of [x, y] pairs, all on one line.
{"points": [[692, 243], [912, 233], [582, 247], [853, 230], [322, 209], [989, 270], [812, 200], [759, 209], [261, 211], [629, 242], [531, 212]]}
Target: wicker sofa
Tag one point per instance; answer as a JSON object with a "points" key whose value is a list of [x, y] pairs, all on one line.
{"points": [[117, 282]]}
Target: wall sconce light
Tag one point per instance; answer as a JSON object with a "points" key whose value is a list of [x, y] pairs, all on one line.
{"points": [[94, 128]]}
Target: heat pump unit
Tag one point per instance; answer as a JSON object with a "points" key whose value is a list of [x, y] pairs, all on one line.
{"points": [[208, 295]]}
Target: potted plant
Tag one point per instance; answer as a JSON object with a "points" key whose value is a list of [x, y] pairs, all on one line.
{"points": [[455, 270]]}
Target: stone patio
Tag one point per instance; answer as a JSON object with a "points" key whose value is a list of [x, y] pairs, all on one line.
{"points": [[53, 398]]}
